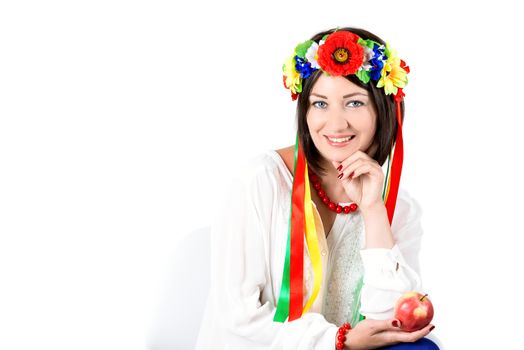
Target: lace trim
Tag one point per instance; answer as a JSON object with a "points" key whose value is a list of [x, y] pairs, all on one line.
{"points": [[341, 295], [342, 299]]}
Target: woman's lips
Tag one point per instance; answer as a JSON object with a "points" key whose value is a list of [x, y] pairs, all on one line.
{"points": [[339, 144]]}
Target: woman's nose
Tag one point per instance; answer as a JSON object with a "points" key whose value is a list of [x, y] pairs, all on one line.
{"points": [[338, 120]]}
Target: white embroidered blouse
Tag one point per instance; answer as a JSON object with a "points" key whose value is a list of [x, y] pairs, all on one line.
{"points": [[248, 244]]}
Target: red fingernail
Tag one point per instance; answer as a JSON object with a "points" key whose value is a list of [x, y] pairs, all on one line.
{"points": [[432, 328], [340, 176], [395, 323], [351, 175], [339, 167]]}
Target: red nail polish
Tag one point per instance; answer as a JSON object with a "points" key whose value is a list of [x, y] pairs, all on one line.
{"points": [[432, 328], [351, 175], [340, 176], [395, 323], [339, 167]]}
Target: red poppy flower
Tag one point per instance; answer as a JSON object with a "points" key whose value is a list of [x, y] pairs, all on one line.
{"points": [[341, 54]]}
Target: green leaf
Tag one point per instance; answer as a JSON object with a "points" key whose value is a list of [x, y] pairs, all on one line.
{"points": [[302, 48], [363, 76], [368, 43], [298, 87]]}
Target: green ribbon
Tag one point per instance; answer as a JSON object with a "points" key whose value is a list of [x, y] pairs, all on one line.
{"points": [[282, 311], [356, 316]]}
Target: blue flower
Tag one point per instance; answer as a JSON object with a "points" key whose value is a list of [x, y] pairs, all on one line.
{"points": [[303, 67], [377, 62]]}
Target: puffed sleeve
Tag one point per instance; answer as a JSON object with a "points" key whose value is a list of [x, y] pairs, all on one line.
{"points": [[240, 260], [388, 273]]}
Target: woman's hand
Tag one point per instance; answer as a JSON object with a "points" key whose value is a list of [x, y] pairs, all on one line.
{"points": [[366, 185], [373, 334]]}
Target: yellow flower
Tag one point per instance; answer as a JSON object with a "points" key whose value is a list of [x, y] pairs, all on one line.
{"points": [[293, 81], [393, 76]]}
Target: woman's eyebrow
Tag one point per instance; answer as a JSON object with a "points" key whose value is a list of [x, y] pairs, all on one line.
{"points": [[345, 96], [354, 94]]}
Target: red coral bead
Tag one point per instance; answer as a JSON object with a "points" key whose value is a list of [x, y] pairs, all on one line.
{"points": [[341, 337], [314, 178], [346, 209], [325, 199], [321, 193], [332, 205], [316, 185], [338, 209], [340, 346], [353, 207]]}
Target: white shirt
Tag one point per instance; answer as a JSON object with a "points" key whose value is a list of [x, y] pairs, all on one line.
{"points": [[248, 245]]}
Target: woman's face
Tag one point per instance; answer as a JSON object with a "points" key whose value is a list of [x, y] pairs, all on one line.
{"points": [[337, 109]]}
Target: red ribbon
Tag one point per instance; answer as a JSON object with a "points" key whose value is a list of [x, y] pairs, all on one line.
{"points": [[396, 166], [296, 264]]}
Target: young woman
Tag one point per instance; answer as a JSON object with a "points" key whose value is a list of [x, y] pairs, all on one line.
{"points": [[314, 244]]}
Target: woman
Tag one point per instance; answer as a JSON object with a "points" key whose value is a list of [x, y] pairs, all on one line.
{"points": [[291, 265]]}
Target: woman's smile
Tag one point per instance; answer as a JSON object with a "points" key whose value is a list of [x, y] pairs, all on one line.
{"points": [[340, 142]]}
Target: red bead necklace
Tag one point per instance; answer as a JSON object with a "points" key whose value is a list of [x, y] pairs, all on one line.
{"points": [[337, 208]]}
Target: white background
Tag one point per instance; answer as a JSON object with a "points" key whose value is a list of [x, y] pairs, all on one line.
{"points": [[121, 120]]}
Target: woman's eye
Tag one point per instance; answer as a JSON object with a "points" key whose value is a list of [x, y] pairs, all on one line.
{"points": [[355, 104], [319, 104]]}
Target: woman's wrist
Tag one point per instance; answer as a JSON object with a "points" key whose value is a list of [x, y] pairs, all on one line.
{"points": [[372, 209], [340, 341]]}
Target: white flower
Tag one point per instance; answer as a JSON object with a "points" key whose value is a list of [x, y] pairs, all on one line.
{"points": [[368, 56], [311, 55]]}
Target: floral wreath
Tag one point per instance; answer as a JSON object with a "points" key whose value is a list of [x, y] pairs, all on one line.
{"points": [[340, 53], [343, 53]]}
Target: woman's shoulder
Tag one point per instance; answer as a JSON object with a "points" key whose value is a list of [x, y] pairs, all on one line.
{"points": [[262, 177], [287, 155], [266, 166]]}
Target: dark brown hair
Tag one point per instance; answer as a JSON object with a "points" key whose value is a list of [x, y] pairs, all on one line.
{"points": [[385, 108]]}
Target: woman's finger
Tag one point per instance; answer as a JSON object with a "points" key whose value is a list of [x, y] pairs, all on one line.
{"points": [[360, 167], [349, 160], [394, 324], [348, 168], [409, 337], [348, 171], [389, 325], [381, 326]]}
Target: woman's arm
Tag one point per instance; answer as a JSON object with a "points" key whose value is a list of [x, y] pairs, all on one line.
{"points": [[390, 260], [389, 272], [240, 272], [378, 230]]}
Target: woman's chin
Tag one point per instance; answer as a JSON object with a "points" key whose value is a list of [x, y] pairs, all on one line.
{"points": [[339, 155]]}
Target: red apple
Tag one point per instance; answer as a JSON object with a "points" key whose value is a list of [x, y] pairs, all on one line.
{"points": [[414, 311]]}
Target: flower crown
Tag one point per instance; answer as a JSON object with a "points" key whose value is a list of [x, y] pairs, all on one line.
{"points": [[343, 53]]}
